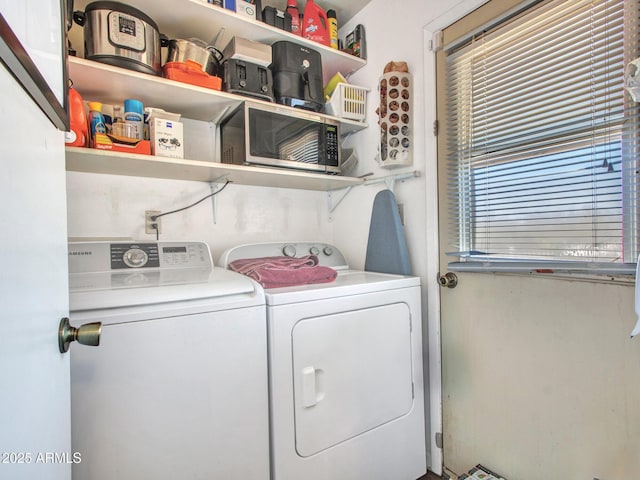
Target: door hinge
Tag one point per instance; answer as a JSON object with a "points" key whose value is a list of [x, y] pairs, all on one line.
{"points": [[439, 439], [436, 127]]}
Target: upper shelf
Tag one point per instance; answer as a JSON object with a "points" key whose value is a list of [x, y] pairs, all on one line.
{"points": [[108, 84], [197, 18]]}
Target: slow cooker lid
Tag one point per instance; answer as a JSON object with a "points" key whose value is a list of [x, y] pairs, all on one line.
{"points": [[122, 8]]}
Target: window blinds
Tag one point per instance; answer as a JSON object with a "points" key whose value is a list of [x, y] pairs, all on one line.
{"points": [[542, 138]]}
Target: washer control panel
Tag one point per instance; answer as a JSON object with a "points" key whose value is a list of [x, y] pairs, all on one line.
{"points": [[87, 257], [137, 255]]}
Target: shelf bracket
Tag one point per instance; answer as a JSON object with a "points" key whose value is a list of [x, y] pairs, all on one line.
{"points": [[332, 207], [214, 185], [391, 180]]}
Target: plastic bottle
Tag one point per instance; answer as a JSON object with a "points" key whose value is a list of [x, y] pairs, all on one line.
{"points": [[78, 136], [117, 114], [316, 23], [107, 114], [333, 28], [96, 121], [292, 9], [134, 115]]}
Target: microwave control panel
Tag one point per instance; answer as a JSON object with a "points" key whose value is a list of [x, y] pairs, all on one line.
{"points": [[332, 145]]}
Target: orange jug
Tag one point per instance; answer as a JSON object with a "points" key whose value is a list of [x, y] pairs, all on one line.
{"points": [[78, 136]]}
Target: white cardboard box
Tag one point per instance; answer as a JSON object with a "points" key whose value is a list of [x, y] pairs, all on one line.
{"points": [[245, 8], [166, 138]]}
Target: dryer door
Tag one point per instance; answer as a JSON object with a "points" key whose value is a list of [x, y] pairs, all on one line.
{"points": [[352, 373]]}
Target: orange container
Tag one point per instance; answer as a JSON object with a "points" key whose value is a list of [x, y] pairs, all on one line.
{"points": [[106, 142], [191, 72], [78, 135]]}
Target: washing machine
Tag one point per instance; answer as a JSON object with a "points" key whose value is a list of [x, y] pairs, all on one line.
{"points": [[177, 387], [345, 371]]}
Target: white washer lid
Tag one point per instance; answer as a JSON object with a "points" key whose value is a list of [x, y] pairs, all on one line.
{"points": [[92, 291]]}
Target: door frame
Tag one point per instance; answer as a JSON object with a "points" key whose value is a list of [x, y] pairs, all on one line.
{"points": [[430, 43]]}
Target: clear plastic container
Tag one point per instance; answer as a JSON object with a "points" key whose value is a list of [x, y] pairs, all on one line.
{"points": [[134, 115]]}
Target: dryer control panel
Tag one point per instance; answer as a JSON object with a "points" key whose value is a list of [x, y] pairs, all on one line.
{"points": [[328, 255]]}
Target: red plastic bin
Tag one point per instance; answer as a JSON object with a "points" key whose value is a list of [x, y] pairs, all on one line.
{"points": [[191, 72]]}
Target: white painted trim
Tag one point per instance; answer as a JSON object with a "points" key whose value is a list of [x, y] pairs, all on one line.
{"points": [[433, 258], [432, 288]]}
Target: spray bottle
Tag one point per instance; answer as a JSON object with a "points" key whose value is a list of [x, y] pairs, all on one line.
{"points": [[292, 9], [96, 121], [333, 28]]}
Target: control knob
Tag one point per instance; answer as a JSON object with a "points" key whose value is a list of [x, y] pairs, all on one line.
{"points": [[135, 258], [289, 251], [314, 251], [328, 251]]}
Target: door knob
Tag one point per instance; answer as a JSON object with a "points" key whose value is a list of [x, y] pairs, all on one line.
{"points": [[87, 334], [449, 280]]}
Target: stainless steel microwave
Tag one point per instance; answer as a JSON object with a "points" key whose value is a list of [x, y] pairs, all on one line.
{"points": [[266, 134]]}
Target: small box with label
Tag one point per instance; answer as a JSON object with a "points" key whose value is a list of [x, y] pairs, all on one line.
{"points": [[166, 138], [246, 9]]}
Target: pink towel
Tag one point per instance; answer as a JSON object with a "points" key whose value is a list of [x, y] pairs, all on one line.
{"points": [[274, 272]]}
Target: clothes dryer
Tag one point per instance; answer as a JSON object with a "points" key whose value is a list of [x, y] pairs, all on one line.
{"points": [[178, 386], [345, 372]]}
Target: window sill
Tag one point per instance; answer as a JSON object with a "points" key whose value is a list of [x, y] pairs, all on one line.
{"points": [[584, 270]]}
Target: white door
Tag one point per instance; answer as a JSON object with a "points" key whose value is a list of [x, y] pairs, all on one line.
{"points": [[34, 396], [539, 372]]}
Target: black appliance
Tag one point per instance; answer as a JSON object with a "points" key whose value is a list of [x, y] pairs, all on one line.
{"points": [[246, 78], [297, 76], [277, 18]]}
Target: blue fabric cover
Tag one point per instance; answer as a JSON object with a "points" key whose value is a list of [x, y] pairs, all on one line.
{"points": [[387, 248]]}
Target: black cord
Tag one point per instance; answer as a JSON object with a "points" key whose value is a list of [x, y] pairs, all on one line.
{"points": [[155, 217]]}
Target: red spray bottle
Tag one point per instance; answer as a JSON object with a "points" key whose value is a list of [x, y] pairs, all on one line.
{"points": [[292, 9], [315, 24]]}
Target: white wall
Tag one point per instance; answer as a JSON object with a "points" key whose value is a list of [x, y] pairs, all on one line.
{"points": [[114, 206]]}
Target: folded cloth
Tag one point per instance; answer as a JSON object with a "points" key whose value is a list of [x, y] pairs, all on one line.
{"points": [[274, 272]]}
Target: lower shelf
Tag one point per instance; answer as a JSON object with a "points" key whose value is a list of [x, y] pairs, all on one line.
{"points": [[89, 160]]}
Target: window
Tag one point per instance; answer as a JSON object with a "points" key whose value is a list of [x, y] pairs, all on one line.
{"points": [[541, 137]]}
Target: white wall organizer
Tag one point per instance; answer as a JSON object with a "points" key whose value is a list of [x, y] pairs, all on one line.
{"points": [[395, 119]]}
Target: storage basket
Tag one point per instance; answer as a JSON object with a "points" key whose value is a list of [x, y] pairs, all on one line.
{"points": [[348, 101]]}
